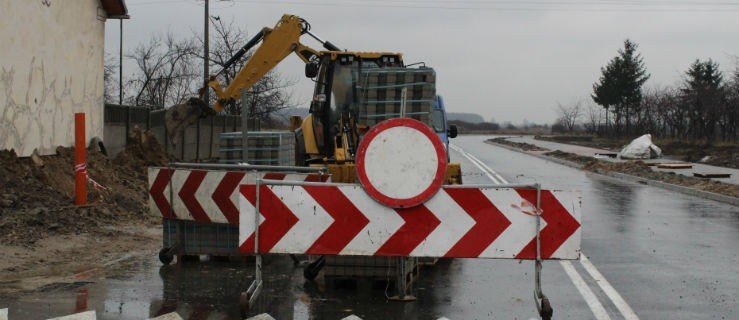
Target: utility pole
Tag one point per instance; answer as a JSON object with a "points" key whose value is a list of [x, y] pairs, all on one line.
{"points": [[206, 52], [120, 67], [120, 83]]}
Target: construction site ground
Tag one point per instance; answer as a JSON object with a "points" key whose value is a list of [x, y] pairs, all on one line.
{"points": [[589, 156], [46, 239]]}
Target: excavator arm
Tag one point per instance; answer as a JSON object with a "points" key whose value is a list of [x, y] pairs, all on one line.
{"points": [[277, 43]]}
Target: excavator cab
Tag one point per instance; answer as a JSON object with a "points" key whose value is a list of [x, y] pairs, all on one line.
{"points": [[334, 108]]}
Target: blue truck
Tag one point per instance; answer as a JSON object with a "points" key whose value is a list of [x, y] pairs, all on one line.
{"points": [[439, 123]]}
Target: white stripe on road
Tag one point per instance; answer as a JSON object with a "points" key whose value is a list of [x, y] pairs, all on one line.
{"points": [[590, 298], [611, 292], [490, 173]]}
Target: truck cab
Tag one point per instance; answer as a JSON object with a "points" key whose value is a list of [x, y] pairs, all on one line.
{"points": [[439, 123]]}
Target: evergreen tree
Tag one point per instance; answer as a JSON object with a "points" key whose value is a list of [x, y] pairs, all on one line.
{"points": [[703, 97], [620, 85]]}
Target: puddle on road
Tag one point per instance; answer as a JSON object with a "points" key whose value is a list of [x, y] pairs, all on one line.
{"points": [[211, 290]]}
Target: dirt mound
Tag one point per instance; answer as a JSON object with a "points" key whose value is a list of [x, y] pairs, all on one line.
{"points": [[520, 145], [143, 150], [37, 197], [570, 156]]}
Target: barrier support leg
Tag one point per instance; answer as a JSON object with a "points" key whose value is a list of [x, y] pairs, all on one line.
{"points": [[247, 298], [404, 278], [542, 302]]}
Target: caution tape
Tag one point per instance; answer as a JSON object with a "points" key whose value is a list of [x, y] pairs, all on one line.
{"points": [[82, 168]]}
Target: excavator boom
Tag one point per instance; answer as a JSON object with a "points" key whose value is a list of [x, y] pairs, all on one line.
{"points": [[276, 44]]}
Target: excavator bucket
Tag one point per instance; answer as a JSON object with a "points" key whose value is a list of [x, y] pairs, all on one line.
{"points": [[178, 117]]}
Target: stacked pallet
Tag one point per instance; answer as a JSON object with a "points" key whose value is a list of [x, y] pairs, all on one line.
{"points": [[263, 148], [380, 96]]}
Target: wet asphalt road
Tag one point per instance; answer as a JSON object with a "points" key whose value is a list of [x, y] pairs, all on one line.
{"points": [[669, 256]]}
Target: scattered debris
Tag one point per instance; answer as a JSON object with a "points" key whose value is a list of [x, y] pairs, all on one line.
{"points": [[641, 169], [711, 175], [611, 155], [674, 166]]}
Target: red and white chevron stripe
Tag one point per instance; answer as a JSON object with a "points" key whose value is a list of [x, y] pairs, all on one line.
{"points": [[207, 195], [464, 222]]}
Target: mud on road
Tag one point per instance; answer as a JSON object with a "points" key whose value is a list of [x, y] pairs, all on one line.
{"points": [[45, 237]]}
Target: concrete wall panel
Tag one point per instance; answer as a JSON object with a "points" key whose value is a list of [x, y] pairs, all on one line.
{"points": [[50, 68]]}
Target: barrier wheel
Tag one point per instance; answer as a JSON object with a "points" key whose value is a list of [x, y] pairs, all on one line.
{"points": [[311, 270], [166, 256]]}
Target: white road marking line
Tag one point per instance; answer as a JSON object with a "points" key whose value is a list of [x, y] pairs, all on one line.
{"points": [[590, 298], [587, 294], [611, 292], [492, 175]]}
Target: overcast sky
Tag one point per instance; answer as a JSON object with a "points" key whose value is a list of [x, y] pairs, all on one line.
{"points": [[506, 60]]}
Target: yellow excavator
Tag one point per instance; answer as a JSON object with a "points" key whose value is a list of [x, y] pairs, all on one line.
{"points": [[328, 136]]}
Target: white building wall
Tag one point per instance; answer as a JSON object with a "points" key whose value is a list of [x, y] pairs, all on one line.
{"points": [[51, 66]]}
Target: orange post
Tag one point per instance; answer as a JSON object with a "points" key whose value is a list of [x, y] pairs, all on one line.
{"points": [[80, 161]]}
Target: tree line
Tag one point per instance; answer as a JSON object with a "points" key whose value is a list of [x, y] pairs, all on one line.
{"points": [[704, 105]]}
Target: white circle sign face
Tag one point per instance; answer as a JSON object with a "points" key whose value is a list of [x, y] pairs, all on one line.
{"points": [[401, 163]]}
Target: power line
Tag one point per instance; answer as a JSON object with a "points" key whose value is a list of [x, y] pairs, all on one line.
{"points": [[531, 5], [499, 5]]}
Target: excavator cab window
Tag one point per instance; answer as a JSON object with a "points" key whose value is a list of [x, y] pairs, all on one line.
{"points": [[337, 95], [344, 90], [319, 103]]}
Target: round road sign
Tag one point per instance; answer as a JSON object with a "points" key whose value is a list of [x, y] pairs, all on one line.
{"points": [[401, 162]]}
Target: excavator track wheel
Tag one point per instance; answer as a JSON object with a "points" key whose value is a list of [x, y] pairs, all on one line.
{"points": [[166, 256]]}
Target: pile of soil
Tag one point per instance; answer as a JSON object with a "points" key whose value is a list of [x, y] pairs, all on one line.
{"points": [[571, 157], [614, 145], [37, 193]]}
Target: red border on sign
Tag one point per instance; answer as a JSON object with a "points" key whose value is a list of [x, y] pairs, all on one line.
{"points": [[426, 194]]}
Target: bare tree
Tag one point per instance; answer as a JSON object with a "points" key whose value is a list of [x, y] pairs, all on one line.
{"points": [[166, 73], [109, 73], [595, 118], [568, 116]]}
